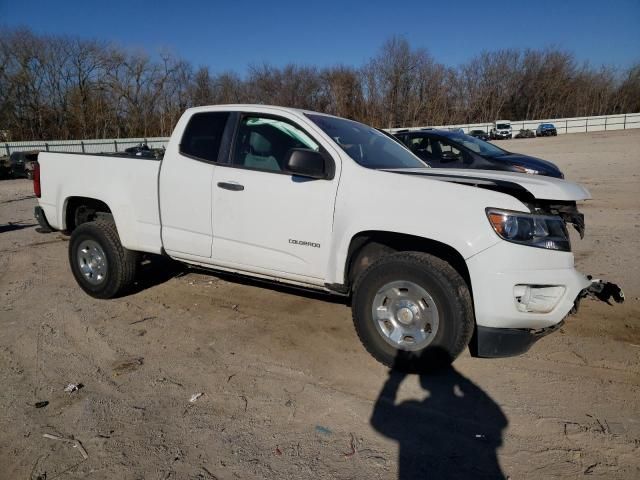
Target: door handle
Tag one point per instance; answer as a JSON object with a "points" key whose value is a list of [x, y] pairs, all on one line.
{"points": [[234, 187]]}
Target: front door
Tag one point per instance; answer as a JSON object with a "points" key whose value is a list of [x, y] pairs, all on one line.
{"points": [[266, 220]]}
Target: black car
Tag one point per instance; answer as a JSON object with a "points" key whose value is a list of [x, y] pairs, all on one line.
{"points": [[546, 130], [143, 150], [481, 134], [445, 149], [21, 163]]}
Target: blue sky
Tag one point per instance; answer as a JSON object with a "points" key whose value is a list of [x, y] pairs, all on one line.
{"points": [[228, 35]]}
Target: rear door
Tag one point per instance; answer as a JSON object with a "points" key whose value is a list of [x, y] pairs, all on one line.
{"points": [[186, 177], [265, 219]]}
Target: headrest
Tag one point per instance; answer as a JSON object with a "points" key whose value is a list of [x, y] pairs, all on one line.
{"points": [[259, 144]]}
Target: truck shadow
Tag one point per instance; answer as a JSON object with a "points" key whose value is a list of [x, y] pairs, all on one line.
{"points": [[10, 227], [155, 270], [453, 433]]}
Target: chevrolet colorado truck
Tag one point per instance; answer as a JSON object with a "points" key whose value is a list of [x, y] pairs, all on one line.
{"points": [[432, 260]]}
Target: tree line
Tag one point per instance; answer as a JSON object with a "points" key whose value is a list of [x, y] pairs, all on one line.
{"points": [[59, 87]]}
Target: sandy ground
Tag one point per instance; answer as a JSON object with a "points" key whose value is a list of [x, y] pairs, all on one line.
{"points": [[288, 391]]}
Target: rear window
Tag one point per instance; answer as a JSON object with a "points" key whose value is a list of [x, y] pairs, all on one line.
{"points": [[203, 135]]}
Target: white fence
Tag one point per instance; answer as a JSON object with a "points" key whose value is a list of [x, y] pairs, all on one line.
{"points": [[563, 125], [82, 146]]}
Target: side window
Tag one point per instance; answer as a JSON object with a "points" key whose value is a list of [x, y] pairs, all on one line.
{"points": [[263, 143], [203, 135], [446, 150], [420, 145], [474, 147]]}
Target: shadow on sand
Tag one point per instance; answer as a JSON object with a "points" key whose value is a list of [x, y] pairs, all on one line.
{"points": [[10, 227], [453, 433]]}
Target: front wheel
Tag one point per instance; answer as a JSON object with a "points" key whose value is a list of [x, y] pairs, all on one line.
{"points": [[412, 311], [100, 264]]}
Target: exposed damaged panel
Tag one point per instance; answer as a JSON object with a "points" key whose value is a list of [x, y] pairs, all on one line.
{"points": [[538, 186], [568, 211], [531, 191], [600, 290], [604, 291]]}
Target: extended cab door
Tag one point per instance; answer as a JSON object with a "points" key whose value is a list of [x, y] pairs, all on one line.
{"points": [[186, 177], [266, 220]]}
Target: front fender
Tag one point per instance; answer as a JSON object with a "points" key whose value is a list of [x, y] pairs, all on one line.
{"points": [[373, 200]]}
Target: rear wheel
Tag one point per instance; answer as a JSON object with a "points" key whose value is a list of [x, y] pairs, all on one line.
{"points": [[412, 311], [100, 264]]}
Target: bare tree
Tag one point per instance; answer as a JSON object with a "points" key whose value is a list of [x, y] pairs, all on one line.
{"points": [[64, 87]]}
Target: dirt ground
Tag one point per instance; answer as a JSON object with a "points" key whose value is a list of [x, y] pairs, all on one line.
{"points": [[288, 391]]}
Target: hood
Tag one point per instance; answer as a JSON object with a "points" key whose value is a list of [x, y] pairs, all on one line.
{"points": [[527, 161], [540, 187]]}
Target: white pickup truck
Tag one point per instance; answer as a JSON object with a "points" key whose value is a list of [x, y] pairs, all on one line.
{"points": [[433, 260]]}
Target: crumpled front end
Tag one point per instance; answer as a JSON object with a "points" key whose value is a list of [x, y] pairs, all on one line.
{"points": [[522, 294]]}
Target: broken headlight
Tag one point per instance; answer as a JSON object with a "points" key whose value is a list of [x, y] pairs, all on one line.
{"points": [[542, 231]]}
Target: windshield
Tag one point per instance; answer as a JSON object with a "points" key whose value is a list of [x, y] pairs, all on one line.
{"points": [[482, 148], [503, 126], [366, 145]]}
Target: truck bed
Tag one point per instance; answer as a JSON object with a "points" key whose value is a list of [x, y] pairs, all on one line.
{"points": [[128, 184]]}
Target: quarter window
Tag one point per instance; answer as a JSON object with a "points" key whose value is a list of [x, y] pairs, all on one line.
{"points": [[203, 135], [263, 143]]}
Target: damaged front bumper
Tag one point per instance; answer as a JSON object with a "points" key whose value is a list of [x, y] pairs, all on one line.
{"points": [[491, 342], [521, 294], [507, 342]]}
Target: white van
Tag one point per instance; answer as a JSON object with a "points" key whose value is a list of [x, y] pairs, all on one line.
{"points": [[501, 130]]}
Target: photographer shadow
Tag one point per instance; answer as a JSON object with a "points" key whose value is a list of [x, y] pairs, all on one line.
{"points": [[453, 433]]}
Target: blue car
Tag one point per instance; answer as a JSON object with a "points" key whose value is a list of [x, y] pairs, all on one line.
{"points": [[546, 130]]}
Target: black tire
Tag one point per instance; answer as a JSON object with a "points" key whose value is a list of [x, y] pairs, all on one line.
{"points": [[121, 264], [448, 290]]}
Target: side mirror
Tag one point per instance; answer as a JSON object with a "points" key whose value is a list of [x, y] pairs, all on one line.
{"points": [[306, 163]]}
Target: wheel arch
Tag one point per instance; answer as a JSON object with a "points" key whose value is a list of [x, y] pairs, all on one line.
{"points": [[367, 246], [78, 210]]}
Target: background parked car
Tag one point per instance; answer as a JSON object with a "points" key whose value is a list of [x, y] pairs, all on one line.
{"points": [[526, 133], [481, 134], [445, 149], [546, 130], [22, 164], [501, 130], [142, 150]]}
